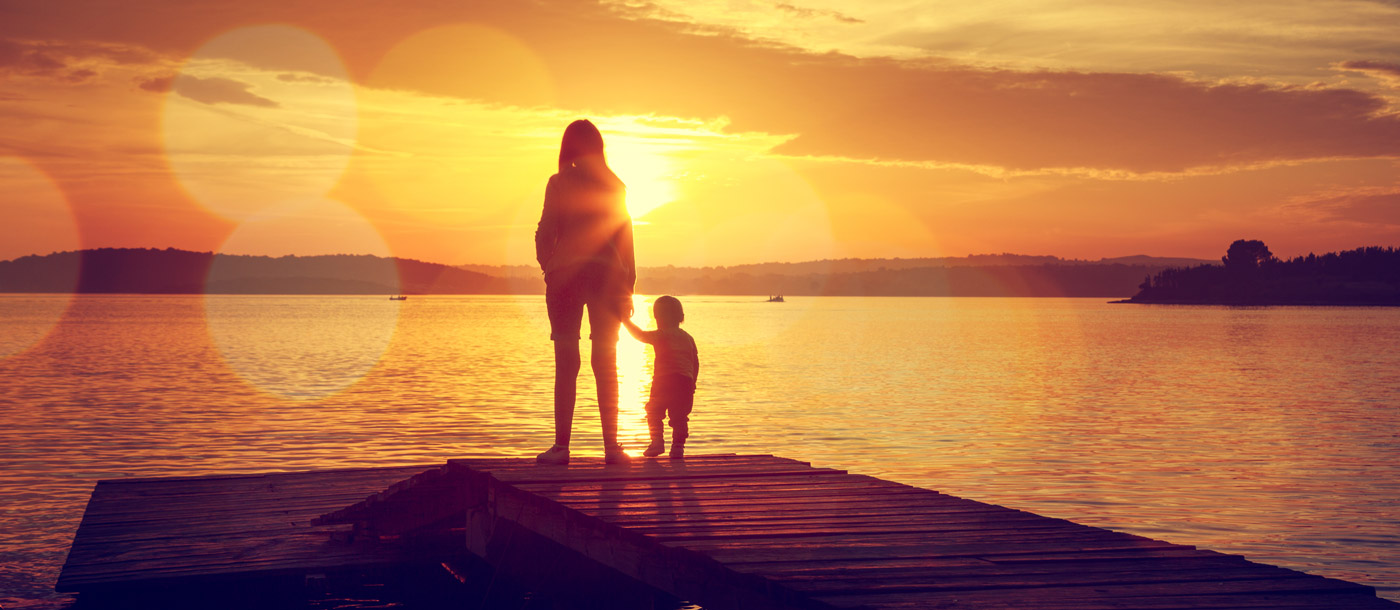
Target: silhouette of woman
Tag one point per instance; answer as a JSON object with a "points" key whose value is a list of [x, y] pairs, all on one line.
{"points": [[584, 247]]}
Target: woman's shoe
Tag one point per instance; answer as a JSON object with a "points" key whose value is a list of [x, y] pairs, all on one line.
{"points": [[615, 455], [677, 452], [654, 449], [555, 455]]}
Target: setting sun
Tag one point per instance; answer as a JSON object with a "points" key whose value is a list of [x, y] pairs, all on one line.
{"points": [[646, 170]]}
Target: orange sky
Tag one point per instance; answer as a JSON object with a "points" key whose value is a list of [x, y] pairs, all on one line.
{"points": [[746, 131]]}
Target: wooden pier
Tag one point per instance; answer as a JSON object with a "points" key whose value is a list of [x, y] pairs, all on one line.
{"points": [[146, 533], [730, 532]]}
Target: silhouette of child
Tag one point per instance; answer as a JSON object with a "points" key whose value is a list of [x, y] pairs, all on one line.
{"points": [[674, 372]]}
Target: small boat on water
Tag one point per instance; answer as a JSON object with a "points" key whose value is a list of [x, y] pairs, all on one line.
{"points": [[398, 297], [776, 299]]}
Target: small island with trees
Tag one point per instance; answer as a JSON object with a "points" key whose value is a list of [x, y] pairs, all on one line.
{"points": [[1251, 275]]}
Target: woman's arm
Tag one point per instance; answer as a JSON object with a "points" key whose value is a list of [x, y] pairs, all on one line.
{"points": [[547, 234], [625, 250]]}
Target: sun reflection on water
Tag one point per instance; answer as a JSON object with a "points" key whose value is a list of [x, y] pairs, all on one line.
{"points": [[634, 367]]}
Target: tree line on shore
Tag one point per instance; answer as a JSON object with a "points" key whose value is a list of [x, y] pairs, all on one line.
{"points": [[1251, 275]]}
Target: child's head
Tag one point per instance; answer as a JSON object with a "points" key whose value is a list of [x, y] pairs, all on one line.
{"points": [[667, 311]]}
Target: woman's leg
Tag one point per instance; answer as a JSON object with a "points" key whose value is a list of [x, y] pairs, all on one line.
{"points": [[604, 361], [566, 365]]}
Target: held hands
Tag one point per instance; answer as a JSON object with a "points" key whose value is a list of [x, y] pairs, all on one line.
{"points": [[625, 312]]}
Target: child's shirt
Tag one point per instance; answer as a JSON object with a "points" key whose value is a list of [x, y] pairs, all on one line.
{"points": [[676, 353]]}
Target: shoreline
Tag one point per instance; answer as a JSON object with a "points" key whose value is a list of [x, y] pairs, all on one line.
{"points": [[1257, 303]]}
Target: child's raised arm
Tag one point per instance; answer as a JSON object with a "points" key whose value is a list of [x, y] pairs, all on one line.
{"points": [[634, 330]]}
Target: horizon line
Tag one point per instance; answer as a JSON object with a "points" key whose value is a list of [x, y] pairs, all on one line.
{"points": [[522, 264]]}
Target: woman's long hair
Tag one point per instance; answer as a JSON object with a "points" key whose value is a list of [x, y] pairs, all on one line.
{"points": [[581, 140]]}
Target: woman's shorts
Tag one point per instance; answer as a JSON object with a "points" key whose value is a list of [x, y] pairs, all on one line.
{"points": [[569, 291]]}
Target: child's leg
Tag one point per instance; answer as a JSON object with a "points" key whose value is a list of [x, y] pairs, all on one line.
{"points": [[679, 404], [656, 410], [656, 414]]}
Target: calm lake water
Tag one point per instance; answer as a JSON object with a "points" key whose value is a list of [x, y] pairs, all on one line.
{"points": [[1268, 432]]}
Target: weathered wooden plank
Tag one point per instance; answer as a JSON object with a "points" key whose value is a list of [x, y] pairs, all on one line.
{"points": [[904, 582], [1124, 557], [117, 497], [622, 473], [827, 553], [833, 480], [1049, 535], [593, 470], [582, 470], [702, 527], [128, 576], [768, 488], [765, 492], [848, 531], [239, 544], [253, 510], [310, 488], [971, 575], [225, 484], [830, 505], [1261, 601], [653, 515], [1302, 584], [279, 553], [833, 503]]}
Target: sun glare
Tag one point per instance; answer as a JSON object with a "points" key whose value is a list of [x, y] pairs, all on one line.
{"points": [[646, 171]]}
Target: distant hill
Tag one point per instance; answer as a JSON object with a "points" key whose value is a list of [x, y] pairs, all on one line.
{"points": [[858, 265], [976, 275], [171, 271], [1250, 275], [1014, 275], [1049, 280]]}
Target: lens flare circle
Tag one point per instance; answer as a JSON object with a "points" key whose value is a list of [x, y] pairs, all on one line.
{"points": [[38, 218], [259, 116], [339, 328], [445, 110]]}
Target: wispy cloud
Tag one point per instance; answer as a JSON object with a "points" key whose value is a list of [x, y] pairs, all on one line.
{"points": [[1386, 71], [37, 61], [818, 13], [220, 90], [1035, 120], [1370, 205]]}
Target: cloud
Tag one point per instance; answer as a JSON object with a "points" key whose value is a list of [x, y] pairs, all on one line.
{"points": [[29, 60], [1363, 65], [158, 84], [216, 90], [810, 12], [69, 61], [1362, 205], [289, 77], [79, 75], [1389, 72], [1035, 120]]}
